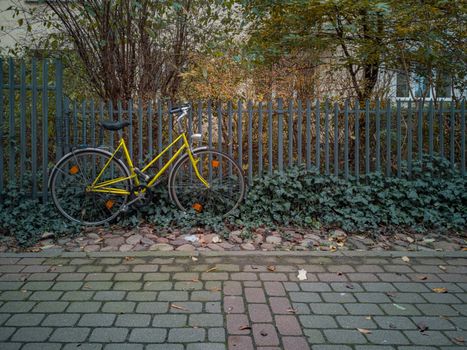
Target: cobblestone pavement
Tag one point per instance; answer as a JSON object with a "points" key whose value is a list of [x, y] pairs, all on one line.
{"points": [[233, 301]]}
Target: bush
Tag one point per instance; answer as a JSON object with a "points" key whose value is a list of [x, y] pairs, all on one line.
{"points": [[434, 197]]}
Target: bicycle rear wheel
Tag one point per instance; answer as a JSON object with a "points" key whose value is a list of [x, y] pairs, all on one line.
{"points": [[225, 177], [74, 173]]}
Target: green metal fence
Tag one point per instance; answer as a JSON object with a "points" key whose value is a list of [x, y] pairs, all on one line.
{"points": [[38, 124]]}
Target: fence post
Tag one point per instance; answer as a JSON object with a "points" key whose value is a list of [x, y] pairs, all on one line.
{"points": [[430, 129], [357, 139], [346, 139], [388, 138], [367, 137], [22, 107], [326, 137], [45, 128], [378, 135], [410, 138], [1, 126], [11, 136], [239, 134], [463, 137], [58, 109], [270, 160], [34, 127], [250, 142], [308, 134], [399, 132], [280, 135], [441, 129], [336, 139], [299, 132], [290, 133], [260, 138], [318, 140], [452, 126]]}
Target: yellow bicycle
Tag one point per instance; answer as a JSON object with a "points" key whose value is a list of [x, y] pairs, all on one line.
{"points": [[93, 186]]}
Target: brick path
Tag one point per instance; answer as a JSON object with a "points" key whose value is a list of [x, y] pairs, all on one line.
{"points": [[78, 301]]}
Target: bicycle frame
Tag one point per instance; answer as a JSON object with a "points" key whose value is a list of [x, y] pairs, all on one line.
{"points": [[103, 187]]}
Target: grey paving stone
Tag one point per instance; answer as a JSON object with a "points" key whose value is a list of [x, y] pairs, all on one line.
{"points": [[436, 323], [141, 296], [127, 286], [13, 285], [427, 338], [164, 347], [444, 298], [331, 347], [460, 322], [158, 286], [133, 320], [170, 321], [84, 306], [379, 287], [394, 322], [341, 336], [46, 295], [216, 335], [342, 297], [327, 309], [186, 335], [124, 347], [314, 336], [355, 322], [409, 298], [94, 285], [172, 296], [205, 296], [108, 335], [32, 334], [96, 320], [25, 320], [205, 320], [109, 295], [82, 346], [411, 287], [14, 295], [400, 309], [213, 307], [374, 347], [436, 310], [67, 285], [6, 332], [50, 306], [69, 335], [61, 320], [307, 297], [118, 306], [385, 337], [41, 346], [188, 307], [77, 295], [205, 346], [152, 307], [363, 309], [313, 321], [3, 318], [372, 297], [17, 306], [148, 335]]}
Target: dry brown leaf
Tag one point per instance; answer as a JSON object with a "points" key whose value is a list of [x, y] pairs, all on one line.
{"points": [[368, 318], [410, 239], [216, 289], [244, 327], [422, 326], [440, 290], [271, 268], [194, 280], [175, 306], [405, 259], [99, 240], [442, 267], [464, 249], [87, 286], [129, 258], [332, 248], [211, 269], [364, 330], [459, 339], [422, 277], [291, 310]]}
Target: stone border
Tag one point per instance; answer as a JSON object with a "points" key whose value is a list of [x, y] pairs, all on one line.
{"points": [[355, 253]]}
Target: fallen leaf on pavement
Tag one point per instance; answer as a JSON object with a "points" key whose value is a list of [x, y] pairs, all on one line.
{"points": [[293, 311], [391, 294], [422, 326], [263, 333], [399, 307], [216, 289], [364, 330], [368, 318], [442, 267], [459, 340], [422, 277], [410, 239], [271, 268], [392, 326], [244, 327], [129, 258], [440, 290], [405, 259], [178, 307], [194, 259], [349, 285], [99, 240], [464, 249], [301, 275], [211, 269], [194, 280]]}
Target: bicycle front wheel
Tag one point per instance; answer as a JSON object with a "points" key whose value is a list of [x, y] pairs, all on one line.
{"points": [[72, 176], [226, 184]]}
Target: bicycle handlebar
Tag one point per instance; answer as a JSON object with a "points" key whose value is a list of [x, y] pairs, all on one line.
{"points": [[183, 110]]}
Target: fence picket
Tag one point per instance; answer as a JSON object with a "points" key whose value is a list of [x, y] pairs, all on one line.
{"points": [[140, 132], [299, 132], [1, 126], [378, 135], [280, 135], [58, 106], [452, 126], [346, 139], [326, 137], [45, 128], [34, 127], [308, 134], [270, 161], [430, 128], [22, 113], [11, 135], [388, 138], [290, 133], [336, 139], [159, 131], [318, 135], [250, 142], [240, 134], [357, 139], [367, 137], [230, 132], [83, 125], [409, 137], [441, 129], [260, 138], [93, 123], [420, 130], [150, 133], [463, 138], [399, 132]]}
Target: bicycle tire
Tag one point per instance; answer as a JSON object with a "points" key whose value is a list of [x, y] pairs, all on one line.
{"points": [[59, 190], [187, 204]]}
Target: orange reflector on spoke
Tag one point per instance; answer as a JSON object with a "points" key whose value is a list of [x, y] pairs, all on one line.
{"points": [[215, 163], [74, 170], [198, 207], [109, 204]]}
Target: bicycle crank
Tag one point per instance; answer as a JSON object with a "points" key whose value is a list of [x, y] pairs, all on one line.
{"points": [[139, 197]]}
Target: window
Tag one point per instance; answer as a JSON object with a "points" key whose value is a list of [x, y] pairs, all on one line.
{"points": [[443, 85], [402, 82]]}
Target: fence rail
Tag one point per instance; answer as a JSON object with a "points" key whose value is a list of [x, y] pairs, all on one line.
{"points": [[351, 138]]}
